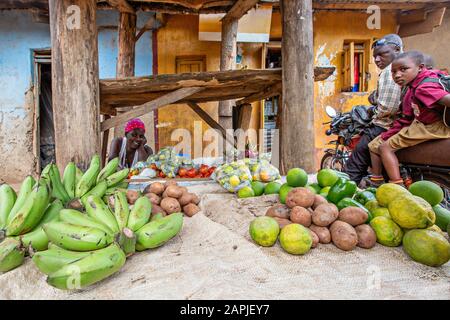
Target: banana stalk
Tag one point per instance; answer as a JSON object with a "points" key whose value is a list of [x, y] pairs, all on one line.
{"points": [[121, 210], [88, 179], [7, 198], [55, 258], [127, 241], [78, 218], [58, 189], [69, 179], [117, 177], [108, 170], [158, 232], [89, 270], [11, 254], [99, 191], [98, 210], [25, 189], [77, 238], [140, 213]]}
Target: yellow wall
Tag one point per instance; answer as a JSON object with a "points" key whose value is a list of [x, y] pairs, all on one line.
{"points": [[180, 37]]}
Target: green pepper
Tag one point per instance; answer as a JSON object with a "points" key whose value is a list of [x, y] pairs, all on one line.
{"points": [[342, 174], [372, 190], [342, 188], [364, 196], [349, 202]]}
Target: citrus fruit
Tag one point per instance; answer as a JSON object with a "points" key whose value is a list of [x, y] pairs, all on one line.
{"points": [[315, 187], [427, 190], [264, 231], [327, 177], [284, 190], [234, 181], [246, 192], [297, 177], [272, 188], [295, 239], [258, 188]]}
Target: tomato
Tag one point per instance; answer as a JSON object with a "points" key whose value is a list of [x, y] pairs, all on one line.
{"points": [[153, 166], [182, 172], [204, 170], [161, 174], [191, 173]]}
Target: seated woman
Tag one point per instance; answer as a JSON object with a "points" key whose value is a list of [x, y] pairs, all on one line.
{"points": [[132, 148]]}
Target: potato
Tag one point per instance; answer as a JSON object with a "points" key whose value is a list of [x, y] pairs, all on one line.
{"points": [[174, 192], [184, 189], [154, 199], [322, 232], [353, 216], [366, 236], [315, 238], [185, 199], [343, 235], [156, 188], [170, 183], [190, 209], [302, 197], [278, 210], [132, 196], [318, 200], [195, 199], [325, 214], [157, 209], [301, 216], [170, 205], [282, 222]]}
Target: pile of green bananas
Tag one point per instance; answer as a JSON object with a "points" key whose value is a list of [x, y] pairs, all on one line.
{"points": [[77, 248]]}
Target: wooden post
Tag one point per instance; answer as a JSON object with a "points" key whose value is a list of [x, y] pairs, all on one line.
{"points": [[297, 115], [126, 53], [75, 84]]}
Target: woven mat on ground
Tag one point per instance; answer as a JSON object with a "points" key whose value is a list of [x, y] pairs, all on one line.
{"points": [[214, 258]]}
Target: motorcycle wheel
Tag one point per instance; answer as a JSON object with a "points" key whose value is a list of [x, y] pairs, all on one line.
{"points": [[329, 161], [443, 183]]}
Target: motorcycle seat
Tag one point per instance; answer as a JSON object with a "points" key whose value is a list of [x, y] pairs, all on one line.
{"points": [[433, 153]]}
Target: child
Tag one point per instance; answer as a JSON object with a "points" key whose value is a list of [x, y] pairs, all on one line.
{"points": [[421, 118]]}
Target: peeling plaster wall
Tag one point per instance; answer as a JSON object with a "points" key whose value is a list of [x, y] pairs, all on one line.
{"points": [[19, 35]]}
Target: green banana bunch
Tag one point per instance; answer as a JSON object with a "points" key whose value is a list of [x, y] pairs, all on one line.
{"points": [[31, 212], [11, 254], [25, 190], [88, 179], [77, 238], [108, 170], [95, 267], [159, 231], [121, 210], [37, 239], [77, 218], [140, 213], [117, 177], [127, 241], [98, 210], [45, 174], [55, 258], [69, 180], [7, 199], [58, 189], [99, 191], [78, 175]]}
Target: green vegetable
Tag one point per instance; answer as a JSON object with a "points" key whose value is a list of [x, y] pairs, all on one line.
{"points": [[343, 188], [372, 190], [349, 202], [364, 196]]}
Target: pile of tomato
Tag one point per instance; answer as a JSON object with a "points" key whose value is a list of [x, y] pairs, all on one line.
{"points": [[204, 171]]}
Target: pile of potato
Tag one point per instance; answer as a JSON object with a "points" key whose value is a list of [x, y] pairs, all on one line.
{"points": [[168, 198], [346, 229]]}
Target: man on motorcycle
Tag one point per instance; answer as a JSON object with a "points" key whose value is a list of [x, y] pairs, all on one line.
{"points": [[386, 100]]}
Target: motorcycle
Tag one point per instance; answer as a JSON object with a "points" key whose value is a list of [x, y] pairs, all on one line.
{"points": [[426, 161]]}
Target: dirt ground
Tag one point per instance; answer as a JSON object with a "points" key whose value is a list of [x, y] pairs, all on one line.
{"points": [[213, 257]]}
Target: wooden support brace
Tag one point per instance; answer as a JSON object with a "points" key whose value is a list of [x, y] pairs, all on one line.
{"points": [[240, 8], [269, 92], [152, 23], [150, 106], [121, 5], [245, 115], [105, 139]]}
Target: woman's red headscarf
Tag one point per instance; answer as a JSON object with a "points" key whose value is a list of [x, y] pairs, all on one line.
{"points": [[134, 124]]}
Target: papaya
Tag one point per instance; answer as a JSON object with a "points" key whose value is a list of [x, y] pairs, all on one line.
{"points": [[264, 231], [412, 212], [427, 247], [372, 205], [435, 228], [427, 190], [388, 232], [388, 192], [442, 217], [381, 212]]}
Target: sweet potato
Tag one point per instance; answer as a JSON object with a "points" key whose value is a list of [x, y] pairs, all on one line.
{"points": [[318, 200], [314, 237], [185, 199], [302, 197], [154, 198], [325, 214], [174, 192], [279, 211], [343, 235], [170, 205], [301, 216], [156, 188], [366, 236], [132, 196], [190, 209], [353, 216], [282, 222], [322, 232]]}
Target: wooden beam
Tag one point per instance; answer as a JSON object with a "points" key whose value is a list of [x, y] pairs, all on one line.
{"points": [[412, 16], [433, 20], [24, 4], [105, 140], [269, 92], [122, 5], [210, 121], [75, 84], [152, 23], [297, 115], [150, 106], [240, 8], [245, 116]]}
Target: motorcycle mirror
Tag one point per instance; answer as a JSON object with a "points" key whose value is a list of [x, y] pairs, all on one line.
{"points": [[330, 111]]}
